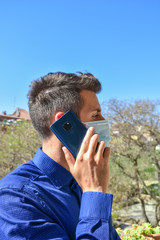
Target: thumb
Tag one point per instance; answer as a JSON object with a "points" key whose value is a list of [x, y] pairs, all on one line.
{"points": [[69, 158]]}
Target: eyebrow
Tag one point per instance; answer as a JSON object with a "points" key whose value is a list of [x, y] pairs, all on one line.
{"points": [[97, 109]]}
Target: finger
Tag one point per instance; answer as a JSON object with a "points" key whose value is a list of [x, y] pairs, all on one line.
{"points": [[93, 145], [86, 140], [69, 158], [106, 154], [100, 150]]}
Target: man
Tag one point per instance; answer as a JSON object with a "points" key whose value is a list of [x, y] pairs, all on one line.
{"points": [[55, 196]]}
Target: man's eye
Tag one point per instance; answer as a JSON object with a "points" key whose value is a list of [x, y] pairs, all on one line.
{"points": [[96, 116]]}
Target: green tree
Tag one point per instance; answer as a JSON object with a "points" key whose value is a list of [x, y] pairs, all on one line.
{"points": [[135, 129], [18, 144]]}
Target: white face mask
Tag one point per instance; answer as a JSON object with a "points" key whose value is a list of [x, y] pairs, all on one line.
{"points": [[102, 128]]}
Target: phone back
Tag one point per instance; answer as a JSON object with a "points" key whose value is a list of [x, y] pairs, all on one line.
{"points": [[70, 131]]}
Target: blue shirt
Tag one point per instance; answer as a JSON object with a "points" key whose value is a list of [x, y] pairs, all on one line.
{"points": [[41, 200]]}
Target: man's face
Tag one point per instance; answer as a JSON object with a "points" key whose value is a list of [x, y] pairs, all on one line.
{"points": [[91, 110]]}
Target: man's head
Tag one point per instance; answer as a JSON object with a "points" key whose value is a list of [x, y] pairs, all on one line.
{"points": [[58, 92]]}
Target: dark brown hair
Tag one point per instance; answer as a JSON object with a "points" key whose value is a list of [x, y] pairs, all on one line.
{"points": [[57, 92]]}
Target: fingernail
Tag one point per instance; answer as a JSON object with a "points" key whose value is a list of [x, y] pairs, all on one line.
{"points": [[91, 128], [64, 149]]}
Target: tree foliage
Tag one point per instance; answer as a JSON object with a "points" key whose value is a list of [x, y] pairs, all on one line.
{"points": [[18, 144], [135, 130]]}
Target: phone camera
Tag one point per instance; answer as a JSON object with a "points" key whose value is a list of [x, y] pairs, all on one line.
{"points": [[67, 126]]}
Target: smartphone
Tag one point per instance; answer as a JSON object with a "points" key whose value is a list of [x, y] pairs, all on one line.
{"points": [[70, 131]]}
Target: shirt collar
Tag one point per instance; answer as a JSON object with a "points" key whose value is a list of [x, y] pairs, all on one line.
{"points": [[58, 175]]}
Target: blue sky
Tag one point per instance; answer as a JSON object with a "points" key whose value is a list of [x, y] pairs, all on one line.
{"points": [[116, 40]]}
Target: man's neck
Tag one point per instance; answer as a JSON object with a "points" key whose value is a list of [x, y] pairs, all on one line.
{"points": [[53, 148]]}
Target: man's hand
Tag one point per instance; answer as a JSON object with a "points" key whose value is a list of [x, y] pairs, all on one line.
{"points": [[91, 167]]}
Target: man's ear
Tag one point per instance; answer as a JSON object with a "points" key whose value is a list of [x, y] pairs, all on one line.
{"points": [[58, 115]]}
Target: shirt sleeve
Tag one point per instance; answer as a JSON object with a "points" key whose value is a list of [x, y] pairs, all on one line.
{"points": [[95, 221]]}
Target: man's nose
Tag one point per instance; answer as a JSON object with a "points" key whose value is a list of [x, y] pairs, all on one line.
{"points": [[102, 118]]}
